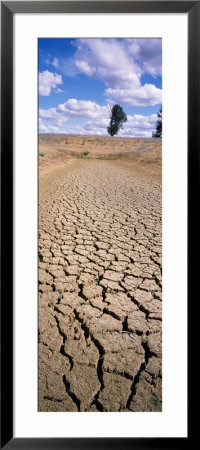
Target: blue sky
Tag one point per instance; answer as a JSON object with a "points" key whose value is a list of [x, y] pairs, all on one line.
{"points": [[81, 79]]}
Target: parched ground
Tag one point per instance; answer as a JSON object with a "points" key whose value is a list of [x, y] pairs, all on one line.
{"points": [[100, 285]]}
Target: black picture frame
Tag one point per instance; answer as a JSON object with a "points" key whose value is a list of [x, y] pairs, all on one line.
{"points": [[8, 9]]}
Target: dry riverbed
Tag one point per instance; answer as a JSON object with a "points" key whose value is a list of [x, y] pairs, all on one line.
{"points": [[100, 304]]}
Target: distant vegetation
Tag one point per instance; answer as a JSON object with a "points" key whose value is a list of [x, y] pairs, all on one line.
{"points": [[158, 132], [117, 119]]}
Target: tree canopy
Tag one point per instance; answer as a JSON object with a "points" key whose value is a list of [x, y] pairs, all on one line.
{"points": [[158, 132], [117, 119]]}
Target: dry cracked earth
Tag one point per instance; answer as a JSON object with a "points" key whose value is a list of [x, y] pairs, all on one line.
{"points": [[99, 289]]}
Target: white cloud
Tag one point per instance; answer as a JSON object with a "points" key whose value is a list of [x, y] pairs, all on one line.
{"points": [[55, 63], [97, 127], [52, 62], [120, 64], [136, 126], [142, 96], [107, 60], [139, 126], [48, 81], [140, 121], [84, 67], [58, 91], [74, 108], [148, 53], [47, 128]]}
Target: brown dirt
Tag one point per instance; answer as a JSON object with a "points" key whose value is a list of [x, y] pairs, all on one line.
{"points": [[99, 283], [143, 154]]}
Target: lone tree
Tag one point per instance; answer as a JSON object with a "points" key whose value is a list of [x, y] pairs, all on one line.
{"points": [[117, 119], [158, 132]]}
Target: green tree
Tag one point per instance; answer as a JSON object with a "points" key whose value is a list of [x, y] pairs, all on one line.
{"points": [[158, 132], [117, 119]]}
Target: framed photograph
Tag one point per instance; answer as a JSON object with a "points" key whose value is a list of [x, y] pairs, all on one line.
{"points": [[100, 143]]}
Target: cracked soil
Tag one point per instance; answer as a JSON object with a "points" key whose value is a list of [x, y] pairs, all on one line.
{"points": [[100, 304]]}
